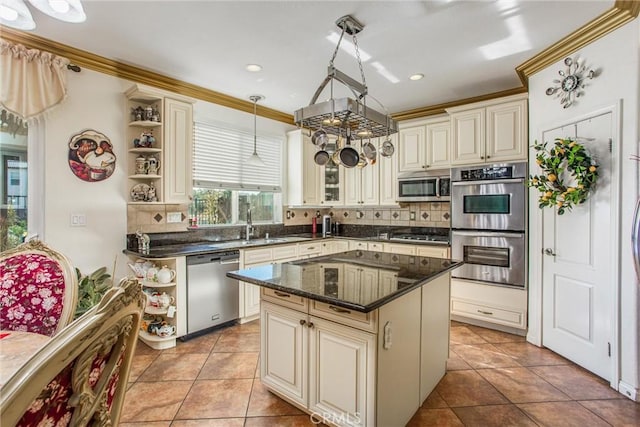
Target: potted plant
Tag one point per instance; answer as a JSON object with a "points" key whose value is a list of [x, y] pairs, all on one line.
{"points": [[91, 288]]}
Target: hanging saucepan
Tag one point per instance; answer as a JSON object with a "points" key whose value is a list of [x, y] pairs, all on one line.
{"points": [[369, 150], [387, 148], [321, 158], [349, 157], [320, 138]]}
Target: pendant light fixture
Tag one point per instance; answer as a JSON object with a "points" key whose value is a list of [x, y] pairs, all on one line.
{"points": [[255, 160]]}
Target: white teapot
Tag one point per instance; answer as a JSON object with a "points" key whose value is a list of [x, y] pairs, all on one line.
{"points": [[165, 275]]}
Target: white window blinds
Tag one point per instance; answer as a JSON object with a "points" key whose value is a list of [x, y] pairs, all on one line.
{"points": [[220, 159]]}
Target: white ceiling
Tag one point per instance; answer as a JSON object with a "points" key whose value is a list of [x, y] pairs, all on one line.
{"points": [[208, 43]]}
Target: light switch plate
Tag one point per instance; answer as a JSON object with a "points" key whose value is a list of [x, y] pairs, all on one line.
{"points": [[78, 220]]}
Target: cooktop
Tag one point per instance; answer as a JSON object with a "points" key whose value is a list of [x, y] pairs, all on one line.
{"points": [[431, 238]]}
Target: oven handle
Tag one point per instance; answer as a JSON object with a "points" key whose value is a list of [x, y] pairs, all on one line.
{"points": [[489, 181], [437, 187], [487, 234]]}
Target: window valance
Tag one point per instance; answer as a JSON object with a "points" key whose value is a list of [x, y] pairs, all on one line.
{"points": [[31, 81]]}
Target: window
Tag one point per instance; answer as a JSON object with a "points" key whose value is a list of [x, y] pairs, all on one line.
{"points": [[225, 187], [13, 175]]}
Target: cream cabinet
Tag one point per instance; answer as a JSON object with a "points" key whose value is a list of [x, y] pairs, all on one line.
{"points": [[178, 151], [433, 251], [303, 175], [388, 180], [361, 186], [332, 246], [424, 145], [160, 138], [356, 369], [489, 132], [400, 248], [321, 365], [485, 305], [250, 294]]}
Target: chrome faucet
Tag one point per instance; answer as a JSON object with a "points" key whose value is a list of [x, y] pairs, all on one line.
{"points": [[249, 232]]}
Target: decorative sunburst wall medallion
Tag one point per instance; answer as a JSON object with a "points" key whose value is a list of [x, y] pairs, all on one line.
{"points": [[571, 85]]}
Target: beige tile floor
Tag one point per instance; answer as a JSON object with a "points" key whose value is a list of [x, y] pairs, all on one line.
{"points": [[492, 379]]}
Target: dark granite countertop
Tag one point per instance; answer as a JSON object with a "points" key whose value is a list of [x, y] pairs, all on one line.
{"points": [[325, 278], [197, 248]]}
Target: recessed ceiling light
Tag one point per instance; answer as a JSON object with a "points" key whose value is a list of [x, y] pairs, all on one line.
{"points": [[416, 76], [254, 68]]}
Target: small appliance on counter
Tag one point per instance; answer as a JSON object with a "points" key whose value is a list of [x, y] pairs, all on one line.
{"points": [[326, 226]]}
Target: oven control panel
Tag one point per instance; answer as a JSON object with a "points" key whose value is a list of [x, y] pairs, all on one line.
{"points": [[488, 173]]}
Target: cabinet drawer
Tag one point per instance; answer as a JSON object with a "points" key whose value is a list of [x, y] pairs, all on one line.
{"points": [[357, 245], [356, 319], [309, 249], [282, 252], [400, 249], [375, 247], [432, 251], [257, 256], [488, 313], [285, 299]]}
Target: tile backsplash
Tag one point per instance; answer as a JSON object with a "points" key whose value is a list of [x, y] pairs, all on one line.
{"points": [[153, 218], [430, 214]]}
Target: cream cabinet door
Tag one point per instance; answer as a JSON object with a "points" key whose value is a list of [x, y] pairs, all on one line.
{"points": [[411, 149], [178, 130], [468, 137], [342, 375], [388, 177], [352, 186], [283, 351], [399, 248], [370, 185], [303, 178], [507, 132], [438, 152]]}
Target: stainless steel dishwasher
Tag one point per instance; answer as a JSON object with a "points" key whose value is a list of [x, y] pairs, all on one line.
{"points": [[212, 297]]}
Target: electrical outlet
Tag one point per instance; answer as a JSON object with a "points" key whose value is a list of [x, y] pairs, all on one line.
{"points": [[173, 217], [288, 214], [78, 220], [412, 216]]}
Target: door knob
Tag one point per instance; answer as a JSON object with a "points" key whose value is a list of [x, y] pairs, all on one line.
{"points": [[549, 251]]}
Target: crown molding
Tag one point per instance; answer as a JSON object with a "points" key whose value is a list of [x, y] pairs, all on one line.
{"points": [[622, 12], [432, 110], [139, 75]]}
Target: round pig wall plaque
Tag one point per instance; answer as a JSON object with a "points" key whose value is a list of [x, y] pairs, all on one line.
{"points": [[91, 156]]}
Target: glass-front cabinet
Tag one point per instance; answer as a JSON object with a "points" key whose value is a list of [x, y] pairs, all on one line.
{"points": [[332, 183]]}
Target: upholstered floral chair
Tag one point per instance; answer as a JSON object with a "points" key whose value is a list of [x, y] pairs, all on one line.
{"points": [[80, 376], [38, 289]]}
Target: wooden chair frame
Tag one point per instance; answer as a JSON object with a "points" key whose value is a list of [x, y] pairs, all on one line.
{"points": [[112, 326], [70, 299]]}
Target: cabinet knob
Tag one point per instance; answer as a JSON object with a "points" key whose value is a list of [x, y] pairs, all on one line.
{"points": [[321, 201], [310, 325], [423, 166], [302, 322], [488, 157], [481, 157]]}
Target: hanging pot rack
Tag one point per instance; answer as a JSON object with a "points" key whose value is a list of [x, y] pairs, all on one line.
{"points": [[336, 115]]}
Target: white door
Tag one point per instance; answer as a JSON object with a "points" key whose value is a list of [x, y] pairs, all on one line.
{"points": [[577, 270]]}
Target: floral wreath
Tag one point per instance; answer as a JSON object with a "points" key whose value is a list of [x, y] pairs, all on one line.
{"points": [[566, 155]]}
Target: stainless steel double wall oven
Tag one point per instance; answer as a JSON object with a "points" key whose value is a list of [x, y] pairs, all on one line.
{"points": [[488, 221]]}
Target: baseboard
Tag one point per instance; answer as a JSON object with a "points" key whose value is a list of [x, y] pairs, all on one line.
{"points": [[628, 391], [489, 325]]}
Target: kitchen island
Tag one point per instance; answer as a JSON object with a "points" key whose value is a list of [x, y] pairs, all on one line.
{"points": [[354, 338]]}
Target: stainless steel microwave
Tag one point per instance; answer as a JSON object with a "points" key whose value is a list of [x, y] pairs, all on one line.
{"points": [[424, 186]]}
